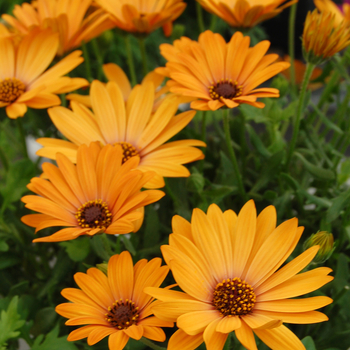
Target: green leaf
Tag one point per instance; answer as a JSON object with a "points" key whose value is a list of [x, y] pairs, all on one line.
{"points": [[151, 236], [128, 245], [17, 178], [257, 143], [320, 173], [338, 204], [10, 322], [77, 249], [53, 342], [270, 168], [8, 260], [44, 320], [3, 246], [308, 343], [195, 183]]}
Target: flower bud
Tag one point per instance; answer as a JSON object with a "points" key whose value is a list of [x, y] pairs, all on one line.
{"points": [[326, 242]]}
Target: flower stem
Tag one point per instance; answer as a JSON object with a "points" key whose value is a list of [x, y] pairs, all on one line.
{"points": [[151, 344], [130, 60], [143, 55], [291, 41], [309, 69], [232, 154], [87, 62], [22, 137], [200, 17]]}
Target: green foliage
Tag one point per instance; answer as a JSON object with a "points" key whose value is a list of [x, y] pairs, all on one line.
{"points": [[52, 342], [10, 323]]}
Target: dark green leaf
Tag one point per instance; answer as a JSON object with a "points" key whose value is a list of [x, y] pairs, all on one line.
{"points": [[53, 342], [77, 249], [10, 322], [338, 204], [318, 172]]}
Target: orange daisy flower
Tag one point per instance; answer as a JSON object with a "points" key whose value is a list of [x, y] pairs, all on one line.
{"points": [[143, 16], [228, 267], [99, 194], [220, 74], [340, 12], [66, 17], [23, 79], [141, 132], [245, 13], [115, 305], [323, 36]]}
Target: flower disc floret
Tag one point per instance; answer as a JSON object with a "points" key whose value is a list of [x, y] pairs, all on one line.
{"points": [[122, 314], [225, 89], [234, 297], [128, 150], [11, 89], [94, 214]]}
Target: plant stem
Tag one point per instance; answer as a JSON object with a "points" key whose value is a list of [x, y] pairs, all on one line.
{"points": [[22, 137], [87, 62], [130, 60], [200, 17], [291, 40], [309, 69], [151, 344], [232, 154], [97, 52], [143, 55]]}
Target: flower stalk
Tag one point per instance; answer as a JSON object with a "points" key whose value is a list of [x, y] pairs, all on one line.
{"points": [[309, 69], [232, 154]]}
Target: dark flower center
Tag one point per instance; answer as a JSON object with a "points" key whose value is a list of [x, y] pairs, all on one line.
{"points": [[225, 89], [94, 214], [234, 297], [11, 89], [128, 150], [122, 314]]}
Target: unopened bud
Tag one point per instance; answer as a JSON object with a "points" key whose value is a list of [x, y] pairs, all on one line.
{"points": [[326, 242]]}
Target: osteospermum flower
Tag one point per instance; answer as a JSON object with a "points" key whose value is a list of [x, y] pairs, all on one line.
{"points": [[229, 269], [24, 80], [340, 12], [66, 17], [133, 125], [218, 73], [323, 37], [245, 13], [143, 16], [115, 305], [100, 194]]}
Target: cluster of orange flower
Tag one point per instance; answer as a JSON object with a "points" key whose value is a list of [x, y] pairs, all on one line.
{"points": [[226, 264]]}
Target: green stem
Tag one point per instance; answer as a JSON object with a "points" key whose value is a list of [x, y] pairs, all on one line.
{"points": [[22, 137], [87, 62], [130, 60], [203, 136], [3, 160], [97, 52], [200, 17], [232, 154], [151, 344], [106, 244], [291, 40], [309, 69], [143, 55]]}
